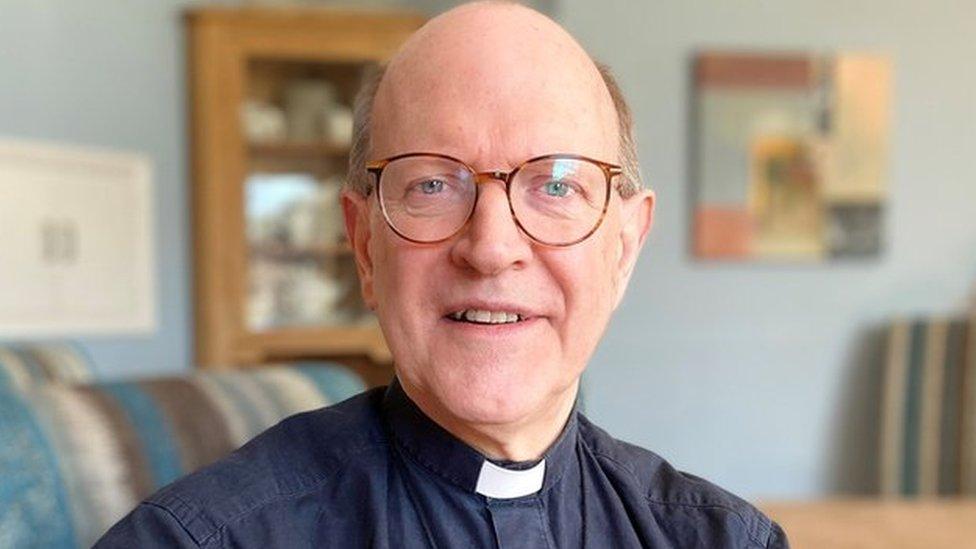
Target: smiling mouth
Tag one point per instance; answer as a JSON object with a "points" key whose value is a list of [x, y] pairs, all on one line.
{"points": [[481, 316]]}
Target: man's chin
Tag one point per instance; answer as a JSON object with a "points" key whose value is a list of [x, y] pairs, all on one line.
{"points": [[484, 404], [479, 390], [476, 411]]}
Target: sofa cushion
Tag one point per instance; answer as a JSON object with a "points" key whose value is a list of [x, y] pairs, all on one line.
{"points": [[75, 459], [24, 365]]}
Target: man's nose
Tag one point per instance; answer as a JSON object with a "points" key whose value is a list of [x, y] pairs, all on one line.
{"points": [[491, 242]]}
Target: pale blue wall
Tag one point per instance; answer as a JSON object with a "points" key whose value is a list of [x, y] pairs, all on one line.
{"points": [[748, 375], [109, 73], [763, 378]]}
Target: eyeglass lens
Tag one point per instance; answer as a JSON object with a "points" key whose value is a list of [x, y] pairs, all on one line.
{"points": [[555, 200]]}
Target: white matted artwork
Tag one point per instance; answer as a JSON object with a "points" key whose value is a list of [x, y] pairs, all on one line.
{"points": [[76, 256]]}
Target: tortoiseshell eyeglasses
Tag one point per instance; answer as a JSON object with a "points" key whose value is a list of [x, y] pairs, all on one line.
{"points": [[556, 199]]}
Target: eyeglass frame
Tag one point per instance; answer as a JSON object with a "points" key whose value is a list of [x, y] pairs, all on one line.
{"points": [[609, 170]]}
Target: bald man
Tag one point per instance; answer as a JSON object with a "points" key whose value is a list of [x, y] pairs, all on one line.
{"points": [[496, 212]]}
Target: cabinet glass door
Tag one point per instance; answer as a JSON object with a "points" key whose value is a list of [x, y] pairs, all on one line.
{"points": [[298, 123]]}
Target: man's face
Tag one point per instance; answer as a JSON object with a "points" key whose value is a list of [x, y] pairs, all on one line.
{"points": [[493, 107]]}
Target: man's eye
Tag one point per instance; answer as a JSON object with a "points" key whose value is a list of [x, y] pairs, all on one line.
{"points": [[558, 189], [432, 186]]}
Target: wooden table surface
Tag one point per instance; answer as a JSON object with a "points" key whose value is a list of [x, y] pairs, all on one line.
{"points": [[877, 523]]}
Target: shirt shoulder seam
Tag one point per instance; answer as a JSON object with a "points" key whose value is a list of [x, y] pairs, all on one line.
{"points": [[175, 518], [654, 501], [216, 527], [727, 508]]}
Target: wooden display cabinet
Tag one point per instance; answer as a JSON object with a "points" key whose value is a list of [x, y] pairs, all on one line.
{"points": [[271, 95]]}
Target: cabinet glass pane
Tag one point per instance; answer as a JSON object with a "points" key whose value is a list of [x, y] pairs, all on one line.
{"points": [[297, 121]]}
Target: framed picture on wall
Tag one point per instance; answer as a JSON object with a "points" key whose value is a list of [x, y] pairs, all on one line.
{"points": [[790, 155]]}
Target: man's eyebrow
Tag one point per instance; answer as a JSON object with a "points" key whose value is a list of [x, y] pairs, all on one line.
{"points": [[357, 179]]}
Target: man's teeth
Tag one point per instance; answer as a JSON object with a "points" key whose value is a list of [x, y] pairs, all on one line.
{"points": [[481, 316]]}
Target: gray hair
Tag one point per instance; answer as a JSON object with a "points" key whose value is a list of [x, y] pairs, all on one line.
{"points": [[359, 180]]}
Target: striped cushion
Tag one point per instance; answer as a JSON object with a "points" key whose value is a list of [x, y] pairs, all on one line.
{"points": [[928, 432], [75, 459], [24, 365]]}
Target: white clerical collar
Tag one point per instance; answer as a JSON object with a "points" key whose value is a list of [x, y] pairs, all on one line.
{"points": [[501, 483]]}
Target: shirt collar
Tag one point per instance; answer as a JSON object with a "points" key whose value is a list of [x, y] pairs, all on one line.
{"points": [[444, 455]]}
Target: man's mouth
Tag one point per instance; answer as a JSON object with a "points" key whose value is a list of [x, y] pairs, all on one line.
{"points": [[482, 316]]}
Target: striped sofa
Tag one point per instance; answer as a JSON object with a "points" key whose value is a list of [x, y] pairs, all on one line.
{"points": [[28, 364], [928, 409], [74, 458]]}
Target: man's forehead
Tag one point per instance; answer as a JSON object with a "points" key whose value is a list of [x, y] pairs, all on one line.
{"points": [[492, 69]]}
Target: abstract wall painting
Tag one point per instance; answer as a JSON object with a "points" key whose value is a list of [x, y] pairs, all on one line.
{"points": [[790, 156]]}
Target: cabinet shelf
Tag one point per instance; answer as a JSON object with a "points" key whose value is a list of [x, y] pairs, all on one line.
{"points": [[301, 150], [283, 252], [304, 341]]}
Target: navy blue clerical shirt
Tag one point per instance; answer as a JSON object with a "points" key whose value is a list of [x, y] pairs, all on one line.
{"points": [[374, 471]]}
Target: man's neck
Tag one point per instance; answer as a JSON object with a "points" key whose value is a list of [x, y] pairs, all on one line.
{"points": [[525, 440]]}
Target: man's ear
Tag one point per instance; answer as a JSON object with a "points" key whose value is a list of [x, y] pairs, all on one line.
{"points": [[355, 209], [637, 217]]}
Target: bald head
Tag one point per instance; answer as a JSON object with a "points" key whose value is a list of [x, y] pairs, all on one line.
{"points": [[493, 83]]}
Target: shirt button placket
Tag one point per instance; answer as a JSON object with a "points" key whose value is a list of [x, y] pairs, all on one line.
{"points": [[519, 525]]}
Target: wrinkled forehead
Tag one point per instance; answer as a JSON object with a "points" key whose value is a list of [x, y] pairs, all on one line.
{"points": [[493, 87]]}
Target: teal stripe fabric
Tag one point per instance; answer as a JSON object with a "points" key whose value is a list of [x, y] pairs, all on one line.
{"points": [[155, 436], [34, 366], [34, 506], [58, 362], [913, 410], [336, 382], [6, 381], [924, 434], [272, 393], [246, 408]]}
